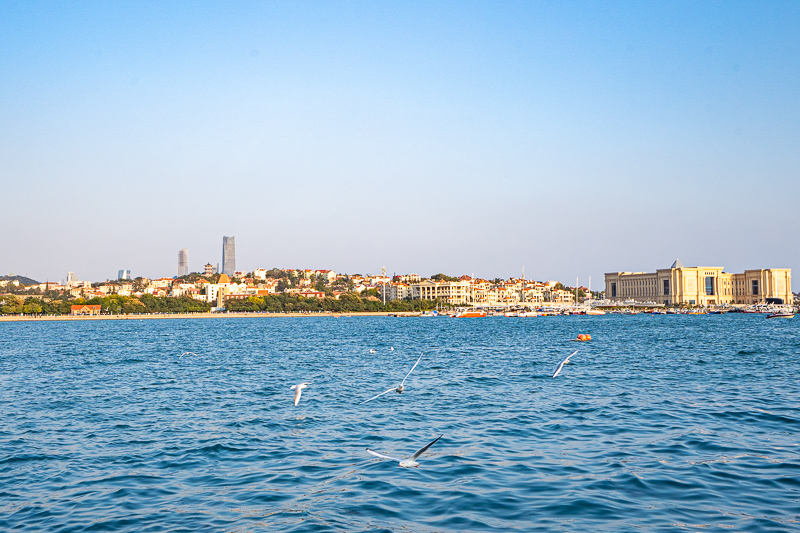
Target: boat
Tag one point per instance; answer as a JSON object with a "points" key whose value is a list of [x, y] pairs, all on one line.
{"points": [[429, 314], [595, 312], [781, 313], [470, 313]]}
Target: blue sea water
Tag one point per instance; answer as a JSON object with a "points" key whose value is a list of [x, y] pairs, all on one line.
{"points": [[660, 423]]}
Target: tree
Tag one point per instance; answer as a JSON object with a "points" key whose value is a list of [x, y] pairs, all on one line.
{"points": [[32, 307], [133, 305], [443, 277], [10, 305]]}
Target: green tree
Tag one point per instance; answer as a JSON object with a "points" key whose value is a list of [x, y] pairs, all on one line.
{"points": [[32, 307], [10, 305]]}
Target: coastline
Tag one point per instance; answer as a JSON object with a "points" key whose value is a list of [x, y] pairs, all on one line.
{"points": [[176, 316]]}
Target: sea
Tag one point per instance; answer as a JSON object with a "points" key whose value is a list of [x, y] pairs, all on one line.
{"points": [[659, 423]]}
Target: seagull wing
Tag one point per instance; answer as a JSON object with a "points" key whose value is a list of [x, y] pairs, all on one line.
{"points": [[564, 362], [410, 371], [376, 454], [297, 392], [379, 395], [424, 448]]}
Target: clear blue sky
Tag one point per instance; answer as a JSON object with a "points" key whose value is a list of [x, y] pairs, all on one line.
{"points": [[574, 138]]}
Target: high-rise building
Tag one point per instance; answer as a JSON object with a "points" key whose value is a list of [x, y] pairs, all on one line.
{"points": [[183, 262], [124, 274], [72, 279], [228, 255]]}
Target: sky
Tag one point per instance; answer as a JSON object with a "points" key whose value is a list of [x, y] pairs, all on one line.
{"points": [[566, 138]]}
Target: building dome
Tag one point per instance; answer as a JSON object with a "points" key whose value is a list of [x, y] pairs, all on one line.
{"points": [[223, 278]]}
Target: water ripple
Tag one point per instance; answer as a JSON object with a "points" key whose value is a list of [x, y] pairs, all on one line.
{"points": [[660, 423]]}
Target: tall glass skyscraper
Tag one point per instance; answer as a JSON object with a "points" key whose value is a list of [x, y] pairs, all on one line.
{"points": [[228, 255], [183, 262]]}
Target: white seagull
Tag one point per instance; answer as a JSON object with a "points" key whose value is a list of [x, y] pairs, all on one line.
{"points": [[372, 350], [399, 388], [391, 348], [562, 363], [409, 462], [298, 390], [186, 353]]}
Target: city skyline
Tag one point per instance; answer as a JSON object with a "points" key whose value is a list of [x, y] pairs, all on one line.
{"points": [[571, 139]]}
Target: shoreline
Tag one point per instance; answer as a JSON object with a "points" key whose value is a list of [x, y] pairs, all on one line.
{"points": [[177, 316]]}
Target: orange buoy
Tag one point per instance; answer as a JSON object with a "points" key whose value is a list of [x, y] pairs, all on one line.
{"points": [[584, 337]]}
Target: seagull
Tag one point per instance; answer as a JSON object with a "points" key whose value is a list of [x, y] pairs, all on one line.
{"points": [[562, 363], [400, 387], [391, 348], [186, 353], [371, 350], [409, 462], [298, 390]]}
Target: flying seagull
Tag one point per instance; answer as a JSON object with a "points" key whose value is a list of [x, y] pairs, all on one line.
{"points": [[186, 353], [298, 390], [409, 462], [400, 387], [372, 350], [562, 363]]}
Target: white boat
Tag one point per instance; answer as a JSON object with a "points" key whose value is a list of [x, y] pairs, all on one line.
{"points": [[781, 314], [470, 313]]}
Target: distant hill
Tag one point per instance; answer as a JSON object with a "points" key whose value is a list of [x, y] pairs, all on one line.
{"points": [[22, 280]]}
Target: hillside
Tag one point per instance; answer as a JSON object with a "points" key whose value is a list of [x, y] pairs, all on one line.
{"points": [[22, 280]]}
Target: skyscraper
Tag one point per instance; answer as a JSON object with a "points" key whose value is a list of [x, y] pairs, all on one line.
{"points": [[183, 262], [228, 255], [124, 274]]}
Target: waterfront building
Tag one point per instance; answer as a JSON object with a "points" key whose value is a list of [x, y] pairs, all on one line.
{"points": [[395, 291], [124, 274], [452, 292], [84, 310], [680, 285], [183, 262], [228, 255], [217, 292]]}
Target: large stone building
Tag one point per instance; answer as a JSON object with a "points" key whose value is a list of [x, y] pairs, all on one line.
{"points": [[680, 285]]}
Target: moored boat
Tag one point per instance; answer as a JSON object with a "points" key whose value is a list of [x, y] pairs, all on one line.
{"points": [[781, 314], [470, 313]]}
